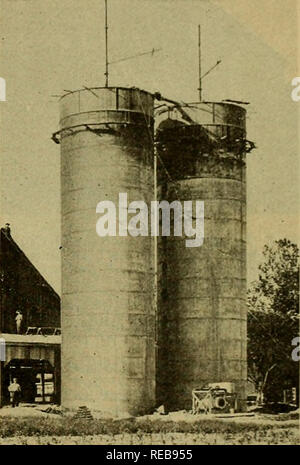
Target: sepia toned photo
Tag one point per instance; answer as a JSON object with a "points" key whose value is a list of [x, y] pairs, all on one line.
{"points": [[149, 215]]}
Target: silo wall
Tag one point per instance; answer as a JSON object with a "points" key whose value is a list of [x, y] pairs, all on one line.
{"points": [[202, 299], [108, 315]]}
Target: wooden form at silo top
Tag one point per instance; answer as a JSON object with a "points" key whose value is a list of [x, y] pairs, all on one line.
{"points": [[202, 291], [108, 319]]}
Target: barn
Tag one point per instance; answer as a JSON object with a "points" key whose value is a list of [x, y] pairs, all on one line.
{"points": [[29, 327]]}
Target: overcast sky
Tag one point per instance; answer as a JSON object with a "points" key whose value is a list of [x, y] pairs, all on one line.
{"points": [[51, 45]]}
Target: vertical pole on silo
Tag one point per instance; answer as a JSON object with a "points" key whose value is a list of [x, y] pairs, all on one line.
{"points": [[106, 46], [199, 54]]}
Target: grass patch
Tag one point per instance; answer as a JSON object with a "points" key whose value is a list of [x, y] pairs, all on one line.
{"points": [[68, 426]]}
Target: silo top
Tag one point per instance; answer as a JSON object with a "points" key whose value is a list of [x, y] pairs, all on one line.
{"points": [[207, 113], [105, 103]]}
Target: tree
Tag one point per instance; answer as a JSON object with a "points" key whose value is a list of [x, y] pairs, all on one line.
{"points": [[273, 321]]}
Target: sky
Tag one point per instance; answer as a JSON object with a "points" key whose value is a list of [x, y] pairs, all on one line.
{"points": [[47, 46]]}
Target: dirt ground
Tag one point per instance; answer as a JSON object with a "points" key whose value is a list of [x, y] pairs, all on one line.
{"points": [[25, 410]]}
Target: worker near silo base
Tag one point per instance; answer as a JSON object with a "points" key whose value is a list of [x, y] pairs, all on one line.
{"points": [[19, 318], [14, 390]]}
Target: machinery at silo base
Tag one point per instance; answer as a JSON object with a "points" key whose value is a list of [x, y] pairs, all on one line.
{"points": [[215, 398]]}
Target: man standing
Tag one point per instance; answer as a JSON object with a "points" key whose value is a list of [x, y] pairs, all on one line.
{"points": [[14, 391], [19, 318]]}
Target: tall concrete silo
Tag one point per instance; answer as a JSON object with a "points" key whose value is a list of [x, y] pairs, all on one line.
{"points": [[108, 316], [202, 303]]}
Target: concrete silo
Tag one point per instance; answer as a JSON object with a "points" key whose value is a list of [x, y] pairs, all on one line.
{"points": [[202, 301], [108, 315]]}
